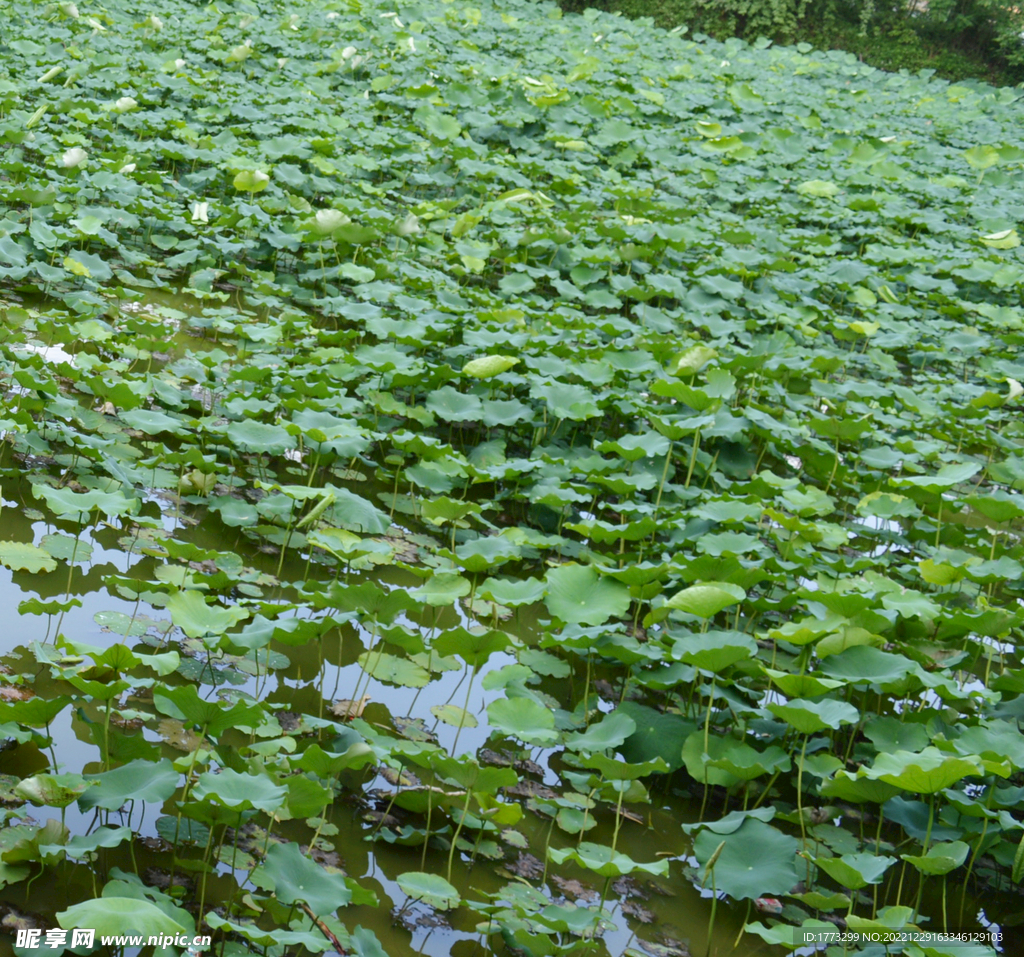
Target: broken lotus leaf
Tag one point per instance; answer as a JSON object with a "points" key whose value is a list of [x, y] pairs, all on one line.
{"points": [[52, 790]]}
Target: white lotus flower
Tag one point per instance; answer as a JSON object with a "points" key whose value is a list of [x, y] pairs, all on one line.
{"points": [[75, 156], [155, 22], [328, 220], [408, 226], [200, 212], [348, 53], [127, 168], [125, 103], [69, 10], [179, 64]]}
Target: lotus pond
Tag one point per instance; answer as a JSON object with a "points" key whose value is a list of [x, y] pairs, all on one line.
{"points": [[482, 481]]}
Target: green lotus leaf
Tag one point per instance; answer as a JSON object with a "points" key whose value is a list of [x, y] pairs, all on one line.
{"points": [[82, 845], [714, 651], [657, 735], [153, 422], [809, 717], [604, 861], [487, 366], [947, 477], [294, 878], [608, 733], [251, 181], [522, 718], [614, 769], [109, 916], [394, 670], [578, 594], [211, 717], [857, 788], [256, 437], [784, 935], [512, 592], [855, 871], [21, 556], [819, 188], [800, 686], [67, 548], [136, 781], [238, 791], [454, 715], [746, 763], [66, 503], [756, 859], [706, 599], [474, 646], [327, 764], [925, 772], [442, 588], [431, 889], [190, 612], [940, 858], [52, 790]]}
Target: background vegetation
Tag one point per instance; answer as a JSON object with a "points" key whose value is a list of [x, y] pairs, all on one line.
{"points": [[955, 38]]}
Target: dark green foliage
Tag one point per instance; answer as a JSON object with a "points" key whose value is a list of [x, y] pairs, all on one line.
{"points": [[957, 39]]}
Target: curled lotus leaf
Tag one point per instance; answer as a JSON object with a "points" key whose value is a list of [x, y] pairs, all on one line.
{"points": [[251, 181], [485, 367], [706, 599]]}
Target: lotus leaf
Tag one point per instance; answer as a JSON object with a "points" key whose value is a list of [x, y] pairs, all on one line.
{"points": [[120, 915], [577, 594], [487, 366], [23, 557], [295, 878], [855, 870], [433, 890], [757, 859], [925, 772], [522, 718], [605, 861], [940, 858], [809, 717], [707, 599]]}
